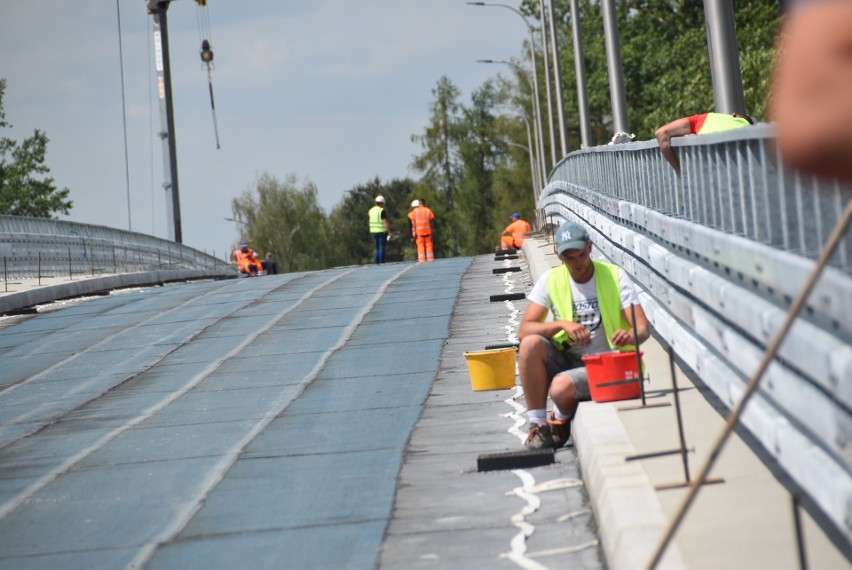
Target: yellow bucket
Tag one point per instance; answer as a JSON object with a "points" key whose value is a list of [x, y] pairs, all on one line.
{"points": [[491, 369]]}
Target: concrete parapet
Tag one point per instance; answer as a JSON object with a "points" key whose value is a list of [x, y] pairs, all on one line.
{"points": [[29, 293]]}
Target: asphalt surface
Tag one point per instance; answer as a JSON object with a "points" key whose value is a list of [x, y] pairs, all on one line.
{"points": [[223, 424], [265, 423], [448, 515]]}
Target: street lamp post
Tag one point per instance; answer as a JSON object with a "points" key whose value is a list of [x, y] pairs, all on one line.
{"points": [[580, 72], [557, 81], [532, 169], [616, 74], [728, 95], [535, 74], [546, 67], [538, 182]]}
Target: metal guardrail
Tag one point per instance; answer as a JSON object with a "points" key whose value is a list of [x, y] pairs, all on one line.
{"points": [[720, 254], [34, 247], [733, 182]]}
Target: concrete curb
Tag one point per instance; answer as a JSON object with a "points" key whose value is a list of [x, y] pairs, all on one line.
{"points": [[629, 514], [35, 295]]}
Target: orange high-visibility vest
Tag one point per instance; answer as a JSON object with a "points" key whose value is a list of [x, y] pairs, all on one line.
{"points": [[423, 217], [244, 260], [517, 228]]}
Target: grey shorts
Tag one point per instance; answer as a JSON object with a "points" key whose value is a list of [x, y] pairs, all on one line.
{"points": [[559, 361]]}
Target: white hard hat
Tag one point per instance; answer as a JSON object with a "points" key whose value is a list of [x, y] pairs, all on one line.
{"points": [[380, 199], [415, 203]]}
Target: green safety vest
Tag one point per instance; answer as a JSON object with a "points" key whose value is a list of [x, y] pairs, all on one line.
{"points": [[609, 300], [718, 122], [376, 225]]}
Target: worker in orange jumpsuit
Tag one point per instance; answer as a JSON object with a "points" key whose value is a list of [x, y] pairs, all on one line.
{"points": [[421, 230], [414, 204], [246, 260], [514, 234]]}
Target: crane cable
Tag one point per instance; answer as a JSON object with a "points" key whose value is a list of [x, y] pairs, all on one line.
{"points": [[204, 36], [124, 114]]}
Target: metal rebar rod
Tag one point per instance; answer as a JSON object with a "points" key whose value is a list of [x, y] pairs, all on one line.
{"points": [[800, 535], [751, 387], [638, 354], [676, 395]]}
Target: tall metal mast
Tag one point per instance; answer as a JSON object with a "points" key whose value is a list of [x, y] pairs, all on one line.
{"points": [[158, 8]]}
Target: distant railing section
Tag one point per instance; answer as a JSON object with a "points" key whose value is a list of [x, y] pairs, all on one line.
{"points": [[720, 253], [32, 248]]}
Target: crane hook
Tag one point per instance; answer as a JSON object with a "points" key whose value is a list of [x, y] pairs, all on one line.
{"points": [[206, 52]]}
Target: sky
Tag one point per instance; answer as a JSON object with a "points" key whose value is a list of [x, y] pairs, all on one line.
{"points": [[330, 91]]}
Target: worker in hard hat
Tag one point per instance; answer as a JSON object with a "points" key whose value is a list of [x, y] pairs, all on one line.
{"points": [[421, 217], [514, 234], [246, 260], [414, 204], [379, 228]]}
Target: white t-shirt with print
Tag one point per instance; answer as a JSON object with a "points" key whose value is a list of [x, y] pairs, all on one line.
{"points": [[587, 310]]}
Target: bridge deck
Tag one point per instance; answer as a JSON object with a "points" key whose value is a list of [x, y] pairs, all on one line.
{"points": [[326, 420]]}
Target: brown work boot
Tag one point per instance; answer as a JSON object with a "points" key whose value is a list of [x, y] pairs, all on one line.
{"points": [[540, 437], [560, 429]]}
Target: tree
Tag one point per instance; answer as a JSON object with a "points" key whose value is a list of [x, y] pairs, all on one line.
{"points": [[439, 163], [283, 219], [480, 151], [22, 191]]}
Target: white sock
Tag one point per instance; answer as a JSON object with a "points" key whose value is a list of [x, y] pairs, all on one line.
{"points": [[537, 416], [557, 414]]}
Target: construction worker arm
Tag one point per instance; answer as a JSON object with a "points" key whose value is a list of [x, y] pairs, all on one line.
{"points": [[664, 134], [533, 323], [622, 337]]}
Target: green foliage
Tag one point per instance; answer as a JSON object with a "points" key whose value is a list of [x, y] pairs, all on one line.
{"points": [[286, 220], [25, 188], [439, 163]]}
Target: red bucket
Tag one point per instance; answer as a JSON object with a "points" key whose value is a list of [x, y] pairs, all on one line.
{"points": [[613, 376]]}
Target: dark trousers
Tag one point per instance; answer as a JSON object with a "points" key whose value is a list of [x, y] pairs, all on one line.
{"points": [[381, 240], [269, 266]]}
